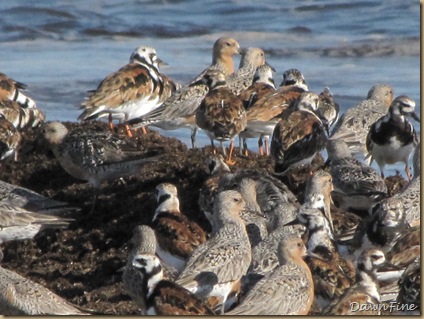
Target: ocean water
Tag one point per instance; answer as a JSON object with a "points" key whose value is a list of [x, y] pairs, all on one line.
{"points": [[61, 49]]}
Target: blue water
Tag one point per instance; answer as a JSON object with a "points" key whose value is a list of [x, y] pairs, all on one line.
{"points": [[61, 49]]}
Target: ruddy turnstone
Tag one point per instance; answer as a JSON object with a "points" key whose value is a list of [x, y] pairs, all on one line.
{"points": [[21, 117], [318, 194], [392, 138], [22, 296], [251, 59], [143, 243], [362, 298], [357, 186], [410, 288], [299, 135], [221, 114], [164, 297], [12, 90], [180, 108], [263, 84], [217, 168], [94, 156], [132, 91], [216, 267], [287, 290], [10, 140], [176, 235], [353, 126], [328, 110], [332, 274], [265, 113]]}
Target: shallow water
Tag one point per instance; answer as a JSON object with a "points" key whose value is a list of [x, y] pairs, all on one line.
{"points": [[61, 49]]}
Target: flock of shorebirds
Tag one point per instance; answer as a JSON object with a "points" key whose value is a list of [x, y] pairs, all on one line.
{"points": [[267, 254]]}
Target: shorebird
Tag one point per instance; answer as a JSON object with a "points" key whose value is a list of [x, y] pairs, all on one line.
{"points": [[143, 243], [392, 138], [21, 296], [21, 117], [12, 90], [265, 254], [25, 198], [216, 267], [263, 84], [10, 140], [134, 90], [164, 297], [221, 114], [262, 193], [299, 135], [410, 288], [362, 298], [176, 235], [328, 110], [318, 194], [287, 290], [263, 115], [332, 274], [251, 59], [410, 198], [217, 168], [353, 126], [356, 185], [17, 223], [94, 156], [180, 108]]}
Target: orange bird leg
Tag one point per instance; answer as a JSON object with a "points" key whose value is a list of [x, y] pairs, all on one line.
{"points": [[128, 130], [229, 161], [111, 126]]}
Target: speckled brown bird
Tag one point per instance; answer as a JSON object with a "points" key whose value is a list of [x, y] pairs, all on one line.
{"points": [[180, 108], [221, 114], [216, 267], [366, 290], [21, 117], [132, 91], [299, 135], [263, 84], [164, 297], [10, 140], [354, 124], [264, 115], [21, 296], [12, 90], [176, 235], [251, 59]]}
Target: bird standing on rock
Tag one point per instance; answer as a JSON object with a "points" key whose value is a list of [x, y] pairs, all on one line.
{"points": [[94, 156]]}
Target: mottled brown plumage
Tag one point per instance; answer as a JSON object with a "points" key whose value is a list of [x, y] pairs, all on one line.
{"points": [[299, 134], [176, 235], [221, 114]]}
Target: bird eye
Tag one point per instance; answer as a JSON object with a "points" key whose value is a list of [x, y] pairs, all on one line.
{"points": [[236, 199], [228, 44]]}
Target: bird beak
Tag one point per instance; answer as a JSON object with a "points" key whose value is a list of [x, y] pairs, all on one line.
{"points": [[415, 117], [161, 63], [241, 51]]}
